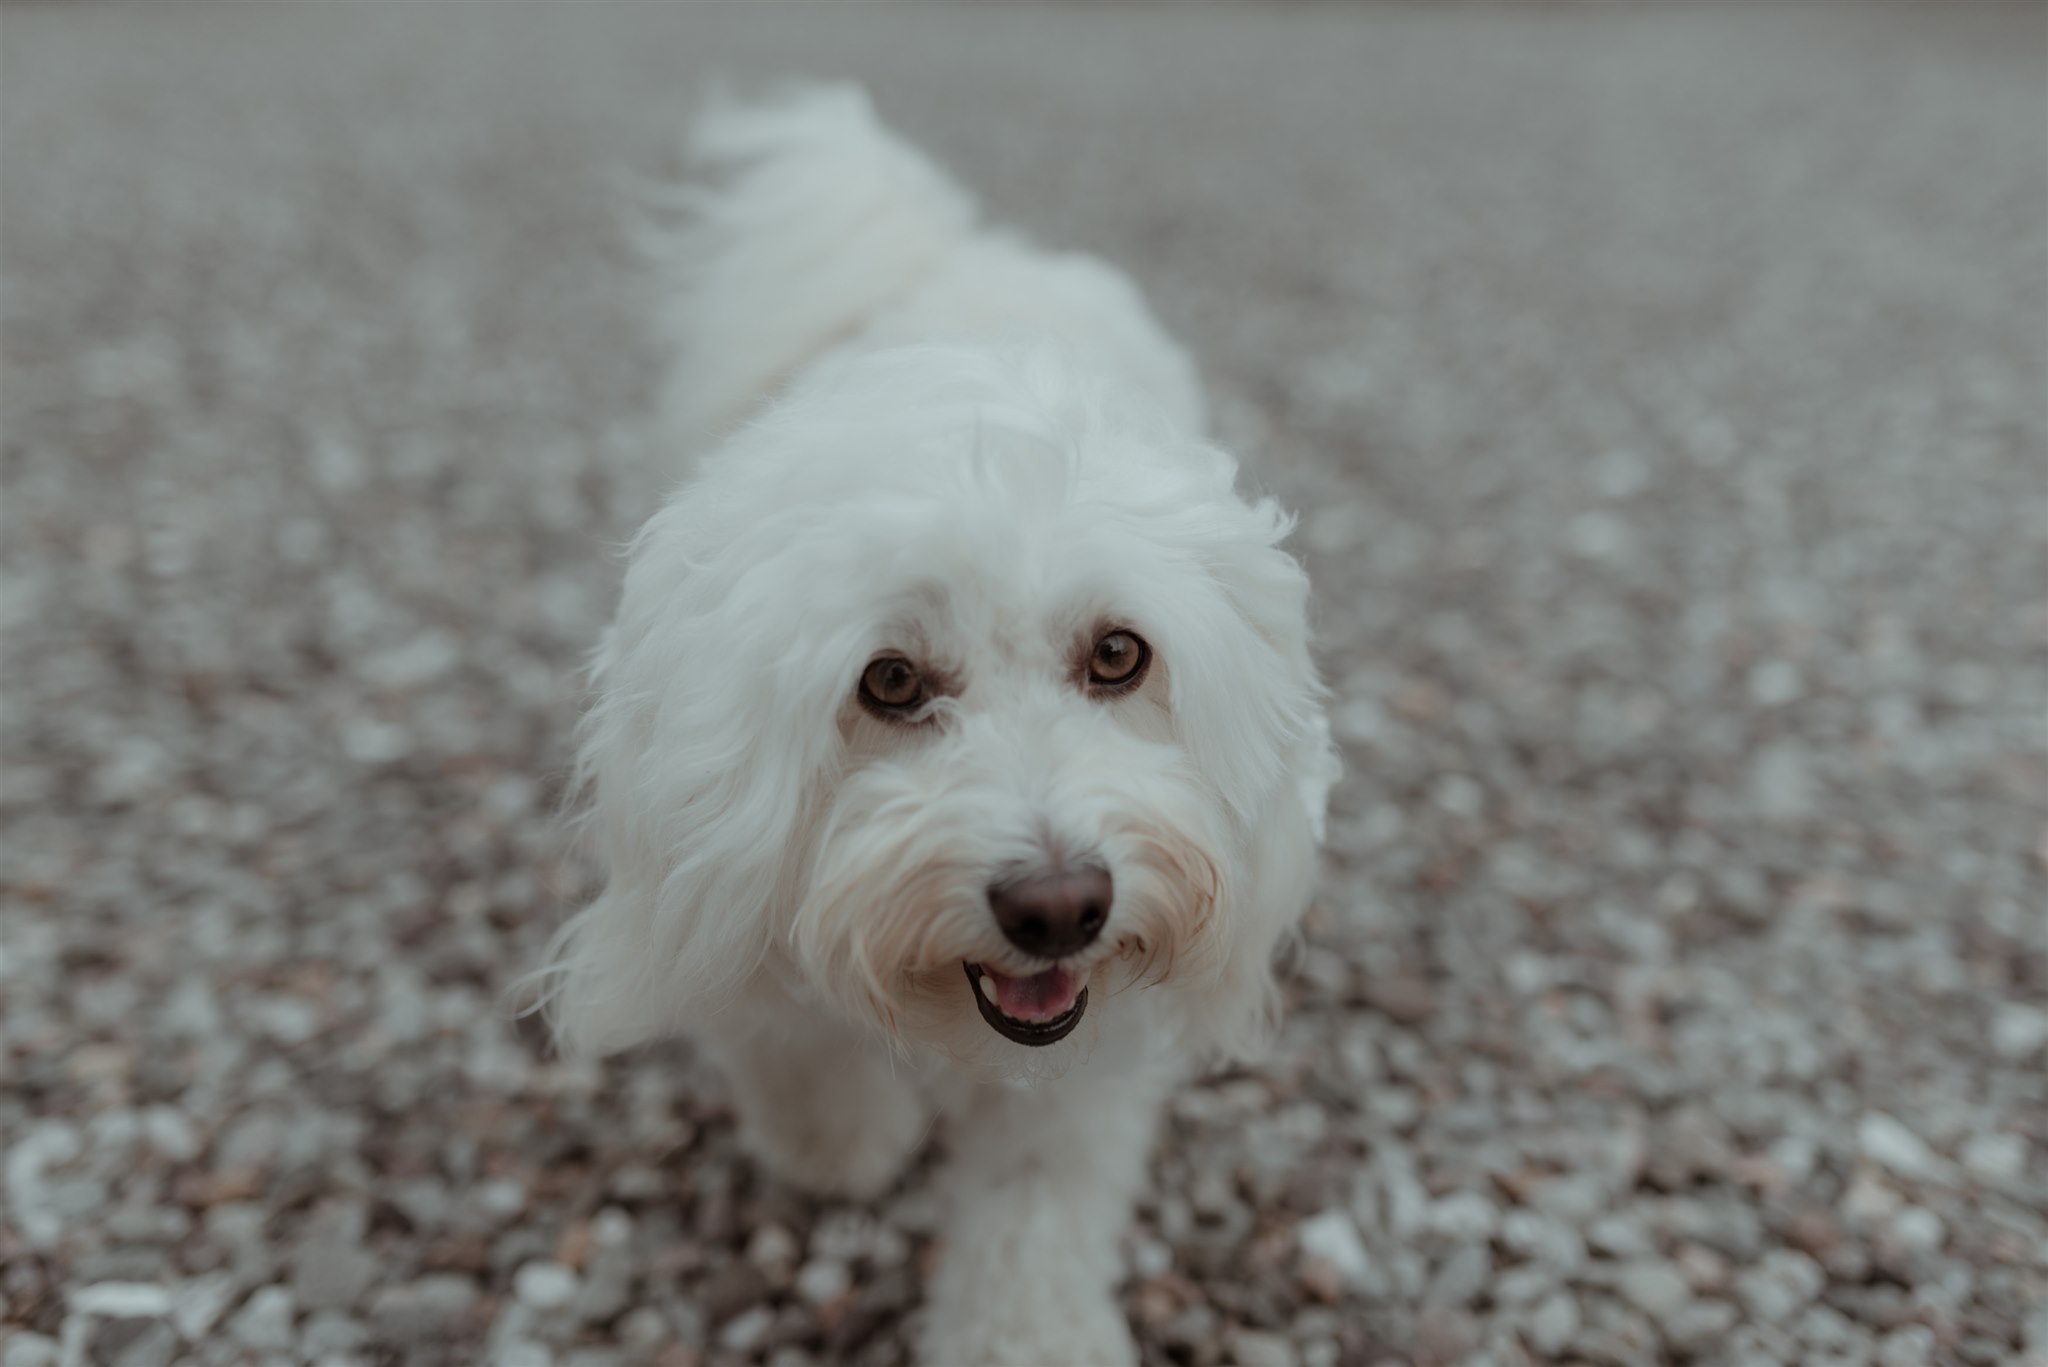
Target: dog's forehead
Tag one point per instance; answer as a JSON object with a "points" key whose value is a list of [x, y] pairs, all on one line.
{"points": [[980, 620], [1015, 579]]}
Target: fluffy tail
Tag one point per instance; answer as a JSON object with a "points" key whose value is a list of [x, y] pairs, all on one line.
{"points": [[812, 216]]}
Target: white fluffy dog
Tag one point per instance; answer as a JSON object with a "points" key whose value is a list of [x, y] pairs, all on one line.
{"points": [[956, 749]]}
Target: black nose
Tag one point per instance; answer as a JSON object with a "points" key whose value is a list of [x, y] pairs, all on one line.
{"points": [[1052, 915]]}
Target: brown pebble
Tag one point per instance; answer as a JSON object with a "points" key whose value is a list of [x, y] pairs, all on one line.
{"points": [[1322, 1281], [199, 1190], [1813, 1231], [573, 1248], [1443, 1336], [1705, 1270], [1404, 1000]]}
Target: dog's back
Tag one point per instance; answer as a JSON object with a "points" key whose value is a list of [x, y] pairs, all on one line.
{"points": [[816, 229]]}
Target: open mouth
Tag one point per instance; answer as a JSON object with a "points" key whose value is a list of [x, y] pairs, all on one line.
{"points": [[1036, 1011]]}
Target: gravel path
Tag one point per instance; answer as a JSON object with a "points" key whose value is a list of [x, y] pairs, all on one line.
{"points": [[1664, 391]]}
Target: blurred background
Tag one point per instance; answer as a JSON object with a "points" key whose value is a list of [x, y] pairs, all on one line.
{"points": [[1665, 390]]}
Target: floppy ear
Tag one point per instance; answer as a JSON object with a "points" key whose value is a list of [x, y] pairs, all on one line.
{"points": [[696, 761], [1248, 704], [1247, 701]]}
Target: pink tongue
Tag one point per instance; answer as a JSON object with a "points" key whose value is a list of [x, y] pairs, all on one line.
{"points": [[1039, 997]]}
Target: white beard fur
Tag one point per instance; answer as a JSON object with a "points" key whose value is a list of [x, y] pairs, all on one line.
{"points": [[899, 429]]}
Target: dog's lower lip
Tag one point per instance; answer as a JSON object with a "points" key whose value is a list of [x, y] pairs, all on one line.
{"points": [[1034, 1034]]}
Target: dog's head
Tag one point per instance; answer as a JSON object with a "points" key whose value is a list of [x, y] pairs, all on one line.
{"points": [[958, 703]]}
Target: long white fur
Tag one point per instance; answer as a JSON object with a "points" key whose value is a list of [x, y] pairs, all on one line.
{"points": [[904, 431]]}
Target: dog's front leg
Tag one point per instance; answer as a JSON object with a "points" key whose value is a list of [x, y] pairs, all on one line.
{"points": [[1041, 1184], [818, 1106]]}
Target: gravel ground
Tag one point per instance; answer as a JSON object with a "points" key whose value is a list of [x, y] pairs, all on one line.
{"points": [[1665, 392]]}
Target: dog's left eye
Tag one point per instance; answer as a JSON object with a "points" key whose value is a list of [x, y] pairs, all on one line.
{"points": [[1119, 660], [891, 686]]}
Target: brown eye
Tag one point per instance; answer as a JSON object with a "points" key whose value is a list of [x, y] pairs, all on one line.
{"points": [[1119, 660], [891, 685]]}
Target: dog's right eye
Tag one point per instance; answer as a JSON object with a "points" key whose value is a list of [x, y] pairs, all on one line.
{"points": [[891, 686]]}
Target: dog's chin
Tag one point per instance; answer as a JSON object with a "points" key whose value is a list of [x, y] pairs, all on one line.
{"points": [[1036, 1010]]}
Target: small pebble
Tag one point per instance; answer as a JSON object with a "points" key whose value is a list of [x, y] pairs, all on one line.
{"points": [[122, 1300], [1255, 1348], [1552, 1324], [545, 1285], [746, 1331], [1918, 1229], [1658, 1289], [1700, 1326], [642, 1329], [774, 1250], [1995, 1157], [1332, 1238], [1781, 1284], [264, 1322], [1887, 1142], [29, 1350], [821, 1281], [2018, 1031], [1910, 1346]]}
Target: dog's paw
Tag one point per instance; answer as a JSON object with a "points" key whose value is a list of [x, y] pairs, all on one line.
{"points": [[1085, 1332], [849, 1143]]}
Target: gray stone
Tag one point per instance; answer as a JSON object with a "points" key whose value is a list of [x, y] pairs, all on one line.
{"points": [[1910, 1346], [2034, 1332], [409, 1312], [822, 1281], [154, 1344], [1822, 1327], [1773, 683], [1699, 1327], [1995, 1157], [1523, 1285], [198, 1304], [1891, 1145], [1783, 1283], [1332, 1238], [517, 1350], [746, 1331], [1621, 1235], [24, 1349], [1551, 1326], [265, 1320], [1463, 1217], [1781, 784], [545, 1285], [330, 1331], [1656, 1288], [2018, 1031], [775, 1251], [332, 1269], [122, 1300], [642, 1329], [1255, 1348], [607, 1285], [1461, 1277], [1575, 1199], [1544, 1240], [445, 1293], [1917, 1229]]}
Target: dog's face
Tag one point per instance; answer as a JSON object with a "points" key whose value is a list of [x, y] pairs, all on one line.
{"points": [[1014, 832], [954, 704]]}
